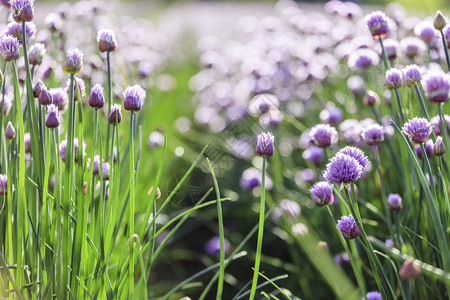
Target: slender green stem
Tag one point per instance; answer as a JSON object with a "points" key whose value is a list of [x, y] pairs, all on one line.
{"points": [[400, 105], [355, 266], [221, 234], [260, 232], [68, 175], [36, 152], [385, 60], [60, 286], [374, 262], [22, 208], [383, 195], [422, 103], [447, 59], [131, 209], [110, 95]]}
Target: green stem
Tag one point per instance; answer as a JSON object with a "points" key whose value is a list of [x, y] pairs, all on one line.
{"points": [[385, 60], [57, 190], [422, 103], [221, 234], [260, 232], [22, 208], [131, 209], [68, 175], [447, 59]]}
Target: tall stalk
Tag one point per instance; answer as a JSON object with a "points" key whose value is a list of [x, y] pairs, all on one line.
{"points": [[22, 204], [131, 208], [260, 231]]}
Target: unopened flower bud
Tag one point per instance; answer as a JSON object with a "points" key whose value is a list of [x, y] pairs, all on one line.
{"points": [[439, 21], [45, 98], [74, 62], [10, 132], [52, 119], [371, 98], [394, 202], [264, 146], [439, 148], [23, 10], [106, 40], [38, 87], [158, 192], [410, 270], [115, 116]]}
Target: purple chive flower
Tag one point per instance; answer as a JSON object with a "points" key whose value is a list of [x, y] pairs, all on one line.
{"points": [[391, 48], [3, 184], [290, 208], [212, 247], [323, 135], [52, 119], [412, 75], [322, 193], [10, 132], [314, 154], [371, 98], [60, 98], [331, 115], [418, 130], [96, 165], [106, 169], [343, 169], [106, 40], [436, 85], [378, 24], [45, 98], [74, 62], [347, 226], [374, 296], [27, 142], [436, 122], [439, 148], [389, 243], [412, 47], [362, 59], [373, 135], [264, 145], [115, 116], [63, 149], [23, 10], [36, 54], [426, 32], [97, 99], [81, 86], [356, 85], [53, 22], [134, 98], [15, 30], [394, 78], [250, 179], [357, 154], [395, 202], [9, 48], [428, 149], [287, 207]]}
